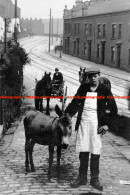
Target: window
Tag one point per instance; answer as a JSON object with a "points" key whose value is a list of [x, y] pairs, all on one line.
{"points": [[98, 50], [113, 30], [129, 57], [104, 30], [75, 28], [78, 28], [98, 30], [74, 47], [113, 54], [85, 48], [65, 27], [119, 30], [86, 29], [90, 29]]}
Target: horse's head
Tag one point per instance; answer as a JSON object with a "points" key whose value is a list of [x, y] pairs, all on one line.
{"points": [[105, 81], [83, 76], [47, 77], [65, 126]]}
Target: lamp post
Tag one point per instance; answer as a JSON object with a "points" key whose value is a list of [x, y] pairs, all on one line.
{"points": [[61, 36]]}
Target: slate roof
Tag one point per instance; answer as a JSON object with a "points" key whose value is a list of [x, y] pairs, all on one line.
{"points": [[108, 7]]}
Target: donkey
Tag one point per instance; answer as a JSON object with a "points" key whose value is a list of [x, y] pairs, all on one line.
{"points": [[43, 88], [46, 130]]}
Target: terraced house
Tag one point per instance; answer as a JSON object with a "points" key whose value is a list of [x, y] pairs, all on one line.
{"points": [[99, 31]]}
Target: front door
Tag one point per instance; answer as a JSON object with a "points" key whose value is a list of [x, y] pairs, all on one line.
{"points": [[78, 46], [103, 53], [68, 44], [89, 50], [118, 55]]}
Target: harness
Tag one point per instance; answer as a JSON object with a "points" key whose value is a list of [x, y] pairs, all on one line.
{"points": [[54, 120]]}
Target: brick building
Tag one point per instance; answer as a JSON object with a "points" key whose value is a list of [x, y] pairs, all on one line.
{"points": [[32, 26], [99, 31]]}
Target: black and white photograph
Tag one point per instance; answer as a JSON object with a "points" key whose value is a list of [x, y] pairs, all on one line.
{"points": [[64, 97]]}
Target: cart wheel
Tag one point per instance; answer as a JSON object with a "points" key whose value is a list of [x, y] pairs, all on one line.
{"points": [[64, 98]]}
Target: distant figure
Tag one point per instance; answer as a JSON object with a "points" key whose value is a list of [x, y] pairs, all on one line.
{"points": [[57, 77]]}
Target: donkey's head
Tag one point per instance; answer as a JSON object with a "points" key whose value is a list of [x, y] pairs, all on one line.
{"points": [[65, 126]]}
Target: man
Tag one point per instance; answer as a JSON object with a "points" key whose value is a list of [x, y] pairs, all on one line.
{"points": [[95, 112], [57, 77]]}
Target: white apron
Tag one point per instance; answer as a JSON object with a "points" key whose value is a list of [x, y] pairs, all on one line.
{"points": [[87, 139]]}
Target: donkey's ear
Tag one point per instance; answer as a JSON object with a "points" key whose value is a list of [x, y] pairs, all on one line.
{"points": [[45, 73], [58, 111], [49, 73]]}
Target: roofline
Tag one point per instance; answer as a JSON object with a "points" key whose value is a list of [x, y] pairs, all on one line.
{"points": [[108, 13]]}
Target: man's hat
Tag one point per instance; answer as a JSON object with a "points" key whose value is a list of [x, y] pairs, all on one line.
{"points": [[56, 69], [93, 70]]}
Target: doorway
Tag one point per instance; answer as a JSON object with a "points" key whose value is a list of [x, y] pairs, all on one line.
{"points": [[118, 56]]}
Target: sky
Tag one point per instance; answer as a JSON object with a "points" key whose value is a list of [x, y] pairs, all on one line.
{"points": [[41, 8]]}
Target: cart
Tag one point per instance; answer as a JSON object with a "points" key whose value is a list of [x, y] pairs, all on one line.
{"points": [[59, 90]]}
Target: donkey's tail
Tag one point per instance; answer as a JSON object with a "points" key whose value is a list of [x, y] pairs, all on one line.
{"points": [[25, 122]]}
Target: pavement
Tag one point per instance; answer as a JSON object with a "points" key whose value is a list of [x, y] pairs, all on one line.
{"points": [[114, 162]]}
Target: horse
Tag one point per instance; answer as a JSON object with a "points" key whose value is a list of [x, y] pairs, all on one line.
{"points": [[46, 130], [105, 81], [43, 88], [83, 78], [81, 74]]}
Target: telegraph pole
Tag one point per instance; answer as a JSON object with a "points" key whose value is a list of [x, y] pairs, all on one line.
{"points": [[5, 34], [52, 29], [49, 30], [15, 15], [57, 28]]}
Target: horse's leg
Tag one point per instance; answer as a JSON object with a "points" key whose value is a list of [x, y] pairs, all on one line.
{"points": [[32, 143], [58, 158], [51, 151], [36, 104], [47, 107], [41, 105], [26, 153]]}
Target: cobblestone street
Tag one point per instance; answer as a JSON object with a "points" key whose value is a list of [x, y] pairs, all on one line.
{"points": [[114, 167]]}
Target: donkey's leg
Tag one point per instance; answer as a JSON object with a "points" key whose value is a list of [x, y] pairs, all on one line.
{"points": [[58, 158], [51, 151], [58, 155], [47, 107], [32, 143], [26, 153]]}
